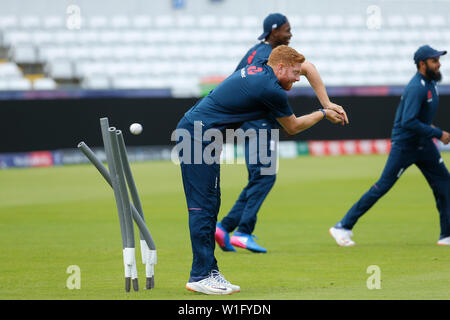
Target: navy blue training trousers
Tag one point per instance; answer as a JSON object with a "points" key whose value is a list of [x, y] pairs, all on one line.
{"points": [[428, 159]]}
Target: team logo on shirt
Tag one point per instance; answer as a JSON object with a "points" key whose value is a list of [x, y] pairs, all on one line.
{"points": [[254, 70], [243, 73], [429, 96]]}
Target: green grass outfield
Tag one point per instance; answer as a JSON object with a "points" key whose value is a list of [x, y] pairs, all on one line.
{"points": [[51, 218]]}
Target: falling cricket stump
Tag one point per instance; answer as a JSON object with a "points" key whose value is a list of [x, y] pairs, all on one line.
{"points": [[119, 176]]}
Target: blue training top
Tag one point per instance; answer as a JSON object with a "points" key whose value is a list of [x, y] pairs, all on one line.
{"points": [[259, 53], [416, 111], [248, 94]]}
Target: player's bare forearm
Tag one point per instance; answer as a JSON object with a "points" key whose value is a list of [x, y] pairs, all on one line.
{"points": [[309, 70], [293, 125], [312, 74]]}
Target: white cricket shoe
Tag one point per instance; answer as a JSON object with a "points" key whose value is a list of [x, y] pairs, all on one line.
{"points": [[342, 236], [221, 279], [209, 286], [444, 242]]}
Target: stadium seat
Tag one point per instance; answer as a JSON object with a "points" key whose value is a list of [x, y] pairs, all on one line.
{"points": [[416, 21], [213, 52], [295, 21], [154, 37], [436, 21], [8, 22], [161, 68], [396, 21], [123, 52], [78, 52], [44, 84], [251, 22], [120, 22], [116, 69], [96, 82], [355, 21], [130, 36], [86, 37], [348, 35], [334, 21], [3, 84], [19, 84], [41, 37], [164, 21], [193, 51], [246, 37], [84, 69], [228, 22], [141, 22], [30, 22], [140, 68], [50, 53], [64, 37], [308, 35], [175, 36], [185, 21], [109, 37], [221, 36], [146, 52], [155, 82], [207, 21], [184, 87], [313, 21], [432, 36], [101, 52], [59, 69], [412, 35], [25, 53], [14, 37], [53, 22], [98, 22], [169, 51], [128, 83], [9, 70]]}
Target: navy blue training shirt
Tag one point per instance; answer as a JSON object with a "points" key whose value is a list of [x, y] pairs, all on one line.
{"points": [[248, 94], [259, 53], [416, 111]]}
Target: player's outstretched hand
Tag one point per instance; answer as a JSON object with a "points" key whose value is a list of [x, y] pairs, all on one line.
{"points": [[445, 137], [338, 109], [334, 116]]}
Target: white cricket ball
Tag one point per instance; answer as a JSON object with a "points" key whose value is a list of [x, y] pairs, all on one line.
{"points": [[136, 128]]}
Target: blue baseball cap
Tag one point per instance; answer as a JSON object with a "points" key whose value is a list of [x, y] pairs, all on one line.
{"points": [[272, 21], [426, 52]]}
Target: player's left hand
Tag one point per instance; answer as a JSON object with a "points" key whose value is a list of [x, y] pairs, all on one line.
{"points": [[338, 109]]}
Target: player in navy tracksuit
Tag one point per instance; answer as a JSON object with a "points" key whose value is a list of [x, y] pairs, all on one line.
{"points": [[243, 214], [249, 94], [411, 144]]}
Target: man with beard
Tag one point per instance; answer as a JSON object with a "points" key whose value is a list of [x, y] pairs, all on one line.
{"points": [[411, 144], [243, 215]]}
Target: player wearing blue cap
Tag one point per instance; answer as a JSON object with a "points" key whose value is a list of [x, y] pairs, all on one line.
{"points": [[411, 144], [243, 215], [251, 93]]}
